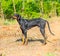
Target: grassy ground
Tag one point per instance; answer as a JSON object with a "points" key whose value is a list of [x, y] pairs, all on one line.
{"points": [[10, 32]]}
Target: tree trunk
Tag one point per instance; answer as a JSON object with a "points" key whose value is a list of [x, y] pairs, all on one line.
{"points": [[23, 6], [53, 11], [54, 8], [14, 6], [42, 6], [41, 10], [1, 11]]}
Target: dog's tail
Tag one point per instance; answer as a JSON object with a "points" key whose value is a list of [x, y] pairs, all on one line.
{"points": [[49, 28]]}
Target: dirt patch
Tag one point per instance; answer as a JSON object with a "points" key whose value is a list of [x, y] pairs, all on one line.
{"points": [[9, 46]]}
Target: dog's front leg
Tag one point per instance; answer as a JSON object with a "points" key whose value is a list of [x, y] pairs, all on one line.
{"points": [[26, 39], [23, 37], [23, 40]]}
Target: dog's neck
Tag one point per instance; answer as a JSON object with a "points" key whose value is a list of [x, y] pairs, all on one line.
{"points": [[19, 20]]}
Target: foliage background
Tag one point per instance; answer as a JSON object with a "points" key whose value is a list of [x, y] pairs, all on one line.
{"points": [[30, 8]]}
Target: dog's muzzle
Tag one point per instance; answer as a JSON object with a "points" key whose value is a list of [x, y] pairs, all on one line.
{"points": [[14, 17]]}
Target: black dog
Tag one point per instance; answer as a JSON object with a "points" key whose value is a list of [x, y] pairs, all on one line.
{"points": [[27, 24]]}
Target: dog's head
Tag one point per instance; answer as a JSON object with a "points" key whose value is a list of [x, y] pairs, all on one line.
{"points": [[16, 16]]}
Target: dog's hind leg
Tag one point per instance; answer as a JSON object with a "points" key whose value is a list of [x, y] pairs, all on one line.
{"points": [[43, 34], [42, 29]]}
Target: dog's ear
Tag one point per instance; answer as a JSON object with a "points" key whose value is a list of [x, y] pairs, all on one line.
{"points": [[17, 15]]}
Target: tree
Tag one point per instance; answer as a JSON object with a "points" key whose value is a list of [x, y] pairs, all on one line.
{"points": [[53, 11], [1, 10], [14, 6], [30, 8]]}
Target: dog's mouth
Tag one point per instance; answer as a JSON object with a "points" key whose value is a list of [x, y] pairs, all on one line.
{"points": [[14, 17]]}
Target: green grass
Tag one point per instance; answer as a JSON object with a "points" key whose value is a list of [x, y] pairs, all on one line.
{"points": [[9, 22], [50, 54], [6, 22]]}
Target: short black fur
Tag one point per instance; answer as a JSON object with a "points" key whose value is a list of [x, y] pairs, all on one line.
{"points": [[27, 24]]}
